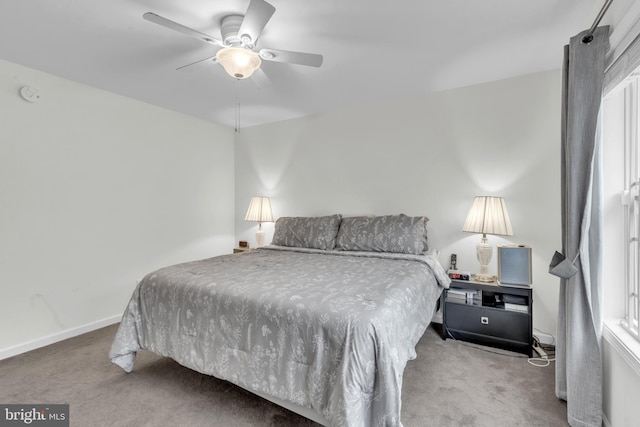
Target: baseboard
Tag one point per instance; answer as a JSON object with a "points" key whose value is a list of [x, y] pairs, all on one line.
{"points": [[58, 336]]}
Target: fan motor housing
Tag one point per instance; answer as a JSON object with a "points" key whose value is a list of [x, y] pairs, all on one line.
{"points": [[229, 28]]}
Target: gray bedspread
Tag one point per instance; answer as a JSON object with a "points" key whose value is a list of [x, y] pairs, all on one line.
{"points": [[327, 330]]}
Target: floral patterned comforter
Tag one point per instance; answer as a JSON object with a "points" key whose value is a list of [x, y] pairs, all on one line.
{"points": [[328, 330]]}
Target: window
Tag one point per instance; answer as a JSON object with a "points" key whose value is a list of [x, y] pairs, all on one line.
{"points": [[631, 203], [621, 197], [621, 157]]}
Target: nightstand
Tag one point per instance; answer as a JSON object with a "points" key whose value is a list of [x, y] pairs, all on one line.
{"points": [[489, 314], [240, 250]]}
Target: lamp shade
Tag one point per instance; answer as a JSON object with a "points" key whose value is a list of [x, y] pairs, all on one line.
{"points": [[238, 62], [488, 215], [259, 210]]}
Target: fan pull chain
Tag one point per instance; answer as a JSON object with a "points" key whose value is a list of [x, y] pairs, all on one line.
{"points": [[237, 108]]}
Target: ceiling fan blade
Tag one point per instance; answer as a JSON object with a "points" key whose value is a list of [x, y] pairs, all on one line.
{"points": [[309, 59], [260, 79], [211, 58], [167, 23], [258, 14]]}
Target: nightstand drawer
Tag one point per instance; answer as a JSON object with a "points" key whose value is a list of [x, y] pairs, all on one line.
{"points": [[498, 323]]}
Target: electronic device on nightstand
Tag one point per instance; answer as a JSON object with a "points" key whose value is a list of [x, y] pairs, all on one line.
{"points": [[514, 265]]}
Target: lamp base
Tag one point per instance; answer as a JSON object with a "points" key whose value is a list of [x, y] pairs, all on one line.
{"points": [[260, 237], [483, 278], [484, 251]]}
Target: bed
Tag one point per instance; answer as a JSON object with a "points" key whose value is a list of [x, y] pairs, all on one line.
{"points": [[325, 318]]}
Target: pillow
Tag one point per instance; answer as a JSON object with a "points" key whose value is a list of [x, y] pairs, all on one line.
{"points": [[389, 233], [307, 232]]}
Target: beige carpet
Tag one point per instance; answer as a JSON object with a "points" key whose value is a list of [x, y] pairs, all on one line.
{"points": [[451, 383]]}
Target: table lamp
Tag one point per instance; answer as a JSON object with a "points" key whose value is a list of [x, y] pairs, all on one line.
{"points": [[259, 211], [488, 215]]}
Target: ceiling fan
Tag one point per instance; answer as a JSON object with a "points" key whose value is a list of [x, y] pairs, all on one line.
{"points": [[240, 33]]}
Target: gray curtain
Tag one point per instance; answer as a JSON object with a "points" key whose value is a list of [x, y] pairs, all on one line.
{"points": [[578, 352]]}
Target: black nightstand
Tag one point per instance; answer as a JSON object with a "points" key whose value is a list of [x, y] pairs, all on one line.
{"points": [[489, 314]]}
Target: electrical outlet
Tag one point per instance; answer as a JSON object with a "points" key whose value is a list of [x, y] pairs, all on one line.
{"points": [[545, 339]]}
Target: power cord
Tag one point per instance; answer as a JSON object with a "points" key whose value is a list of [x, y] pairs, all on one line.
{"points": [[553, 338], [543, 360]]}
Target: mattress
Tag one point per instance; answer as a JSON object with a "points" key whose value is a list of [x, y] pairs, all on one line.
{"points": [[323, 329]]}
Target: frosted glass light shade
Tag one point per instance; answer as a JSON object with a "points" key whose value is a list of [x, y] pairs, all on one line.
{"points": [[238, 62]]}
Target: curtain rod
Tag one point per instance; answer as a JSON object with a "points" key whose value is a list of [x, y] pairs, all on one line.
{"points": [[589, 37]]}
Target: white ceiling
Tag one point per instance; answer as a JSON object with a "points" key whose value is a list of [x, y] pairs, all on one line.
{"points": [[373, 50]]}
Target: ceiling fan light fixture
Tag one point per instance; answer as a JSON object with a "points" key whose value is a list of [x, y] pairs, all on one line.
{"points": [[238, 62]]}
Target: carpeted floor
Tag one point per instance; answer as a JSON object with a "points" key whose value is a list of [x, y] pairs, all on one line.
{"points": [[451, 383]]}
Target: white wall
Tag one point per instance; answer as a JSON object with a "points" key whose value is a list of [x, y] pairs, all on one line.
{"points": [[428, 155], [96, 190], [621, 388]]}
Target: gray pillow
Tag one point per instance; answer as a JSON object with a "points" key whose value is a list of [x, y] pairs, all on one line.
{"points": [[307, 232], [389, 233]]}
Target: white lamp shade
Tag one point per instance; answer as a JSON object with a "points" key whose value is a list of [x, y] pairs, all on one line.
{"points": [[238, 62], [259, 210], [488, 215]]}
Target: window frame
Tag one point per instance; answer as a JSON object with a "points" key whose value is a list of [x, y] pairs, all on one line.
{"points": [[631, 204]]}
